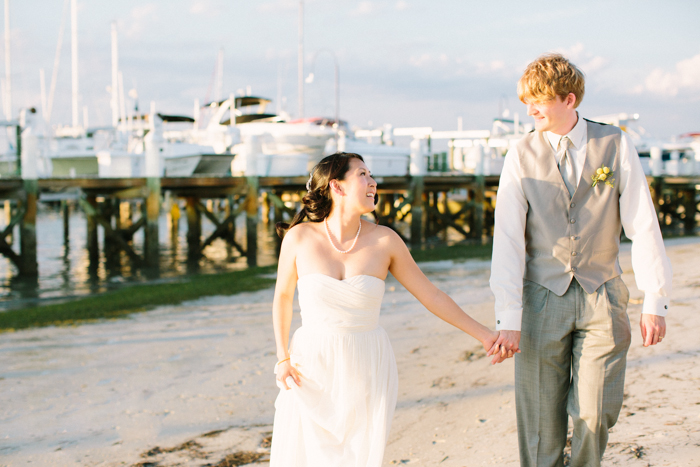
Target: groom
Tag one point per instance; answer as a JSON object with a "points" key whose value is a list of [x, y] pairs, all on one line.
{"points": [[566, 191]]}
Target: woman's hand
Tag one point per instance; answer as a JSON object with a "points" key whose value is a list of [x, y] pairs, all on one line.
{"points": [[283, 371], [499, 351], [489, 341]]}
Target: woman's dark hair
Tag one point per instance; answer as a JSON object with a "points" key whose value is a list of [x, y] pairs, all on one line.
{"points": [[317, 202]]}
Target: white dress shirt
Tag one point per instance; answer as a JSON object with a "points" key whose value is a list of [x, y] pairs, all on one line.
{"points": [[651, 266]]}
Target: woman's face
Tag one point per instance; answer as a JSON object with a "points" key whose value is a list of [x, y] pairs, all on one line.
{"points": [[358, 186]]}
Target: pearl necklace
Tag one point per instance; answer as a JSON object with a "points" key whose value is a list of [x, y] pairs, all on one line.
{"points": [[328, 234]]}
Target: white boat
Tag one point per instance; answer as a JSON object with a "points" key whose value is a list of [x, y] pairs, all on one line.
{"points": [[677, 156]]}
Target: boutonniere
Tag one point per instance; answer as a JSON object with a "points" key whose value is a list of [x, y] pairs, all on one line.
{"points": [[603, 174]]}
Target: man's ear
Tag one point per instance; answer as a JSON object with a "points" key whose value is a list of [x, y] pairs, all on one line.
{"points": [[571, 100]]}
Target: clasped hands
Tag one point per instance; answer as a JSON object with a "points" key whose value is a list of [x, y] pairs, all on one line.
{"points": [[502, 345]]}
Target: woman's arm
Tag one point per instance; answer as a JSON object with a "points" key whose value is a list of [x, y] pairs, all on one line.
{"points": [[283, 303], [407, 272]]}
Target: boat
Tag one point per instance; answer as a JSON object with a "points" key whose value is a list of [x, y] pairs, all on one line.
{"points": [[675, 156]]}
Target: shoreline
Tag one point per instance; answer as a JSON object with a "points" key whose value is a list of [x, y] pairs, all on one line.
{"points": [[141, 297]]}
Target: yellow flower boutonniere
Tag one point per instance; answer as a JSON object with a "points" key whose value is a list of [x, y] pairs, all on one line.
{"points": [[603, 174]]}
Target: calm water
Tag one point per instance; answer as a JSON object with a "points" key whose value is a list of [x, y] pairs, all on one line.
{"points": [[64, 268]]}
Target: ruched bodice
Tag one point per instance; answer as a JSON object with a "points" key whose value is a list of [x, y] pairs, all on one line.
{"points": [[349, 305], [341, 413]]}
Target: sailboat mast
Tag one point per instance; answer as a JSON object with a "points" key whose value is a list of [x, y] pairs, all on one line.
{"points": [[220, 76], [7, 98], [74, 59], [115, 76], [42, 84], [300, 59]]}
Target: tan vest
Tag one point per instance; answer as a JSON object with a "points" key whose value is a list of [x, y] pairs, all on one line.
{"points": [[579, 236]]}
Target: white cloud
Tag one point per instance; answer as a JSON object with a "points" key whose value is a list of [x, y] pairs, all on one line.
{"points": [[420, 60], [277, 5], [490, 67], [686, 76], [365, 8], [139, 18], [401, 5], [204, 7], [585, 60]]}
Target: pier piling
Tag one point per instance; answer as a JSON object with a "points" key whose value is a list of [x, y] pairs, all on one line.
{"points": [[151, 247], [194, 229], [251, 226]]}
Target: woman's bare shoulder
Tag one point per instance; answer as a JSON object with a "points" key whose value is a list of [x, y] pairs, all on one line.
{"points": [[300, 232], [385, 235]]}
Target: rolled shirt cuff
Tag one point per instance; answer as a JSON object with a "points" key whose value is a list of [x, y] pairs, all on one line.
{"points": [[509, 320], [654, 304]]}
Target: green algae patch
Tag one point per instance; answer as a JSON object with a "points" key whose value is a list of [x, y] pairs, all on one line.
{"points": [[137, 298], [458, 251]]}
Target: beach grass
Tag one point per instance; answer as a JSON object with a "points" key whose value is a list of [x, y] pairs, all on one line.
{"points": [[122, 302]]}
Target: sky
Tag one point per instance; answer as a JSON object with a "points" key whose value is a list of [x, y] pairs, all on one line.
{"points": [[401, 62]]}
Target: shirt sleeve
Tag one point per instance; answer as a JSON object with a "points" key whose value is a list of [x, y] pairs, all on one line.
{"points": [[652, 268], [508, 260]]}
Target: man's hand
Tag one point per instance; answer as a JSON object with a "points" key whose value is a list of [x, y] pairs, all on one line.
{"points": [[507, 344], [653, 329]]}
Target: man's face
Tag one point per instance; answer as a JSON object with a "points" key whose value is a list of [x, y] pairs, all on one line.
{"points": [[555, 115]]}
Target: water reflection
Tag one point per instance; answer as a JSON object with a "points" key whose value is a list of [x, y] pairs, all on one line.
{"points": [[66, 269]]}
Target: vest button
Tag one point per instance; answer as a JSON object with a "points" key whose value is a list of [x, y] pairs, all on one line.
{"points": [[573, 253], [573, 221], [573, 237], [573, 205], [573, 269]]}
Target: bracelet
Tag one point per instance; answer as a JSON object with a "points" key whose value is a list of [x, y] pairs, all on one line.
{"points": [[281, 361]]}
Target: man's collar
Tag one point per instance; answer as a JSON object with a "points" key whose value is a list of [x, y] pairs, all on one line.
{"points": [[576, 135]]}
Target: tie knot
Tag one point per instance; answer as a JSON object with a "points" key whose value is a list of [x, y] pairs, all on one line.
{"points": [[565, 143]]}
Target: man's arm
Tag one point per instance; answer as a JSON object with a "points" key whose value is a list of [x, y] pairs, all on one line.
{"points": [[508, 260], [652, 269]]}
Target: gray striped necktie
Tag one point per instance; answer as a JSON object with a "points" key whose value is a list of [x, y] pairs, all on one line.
{"points": [[566, 165]]}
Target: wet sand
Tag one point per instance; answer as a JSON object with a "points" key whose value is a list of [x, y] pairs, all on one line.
{"points": [[189, 385]]}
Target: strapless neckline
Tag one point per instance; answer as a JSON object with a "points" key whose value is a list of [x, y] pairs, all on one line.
{"points": [[339, 280]]}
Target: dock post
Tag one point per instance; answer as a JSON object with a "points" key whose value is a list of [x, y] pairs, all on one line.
{"points": [[174, 217], [92, 243], [27, 226], [265, 208], [153, 173], [251, 225], [690, 207], [252, 148], [8, 219], [418, 169], [65, 211], [194, 229], [151, 248]]}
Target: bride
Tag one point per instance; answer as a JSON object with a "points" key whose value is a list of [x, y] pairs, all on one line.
{"points": [[338, 377]]}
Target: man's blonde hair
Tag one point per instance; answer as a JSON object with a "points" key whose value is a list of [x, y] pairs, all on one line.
{"points": [[549, 76]]}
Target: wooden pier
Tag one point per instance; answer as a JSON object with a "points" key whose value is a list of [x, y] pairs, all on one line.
{"points": [[420, 208]]}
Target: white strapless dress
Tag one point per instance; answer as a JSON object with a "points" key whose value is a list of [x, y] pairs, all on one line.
{"points": [[341, 414]]}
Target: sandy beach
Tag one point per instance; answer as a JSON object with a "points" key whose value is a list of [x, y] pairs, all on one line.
{"points": [[192, 385]]}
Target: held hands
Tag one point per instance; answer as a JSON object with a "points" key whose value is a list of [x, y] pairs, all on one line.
{"points": [[284, 370], [506, 345], [653, 329]]}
